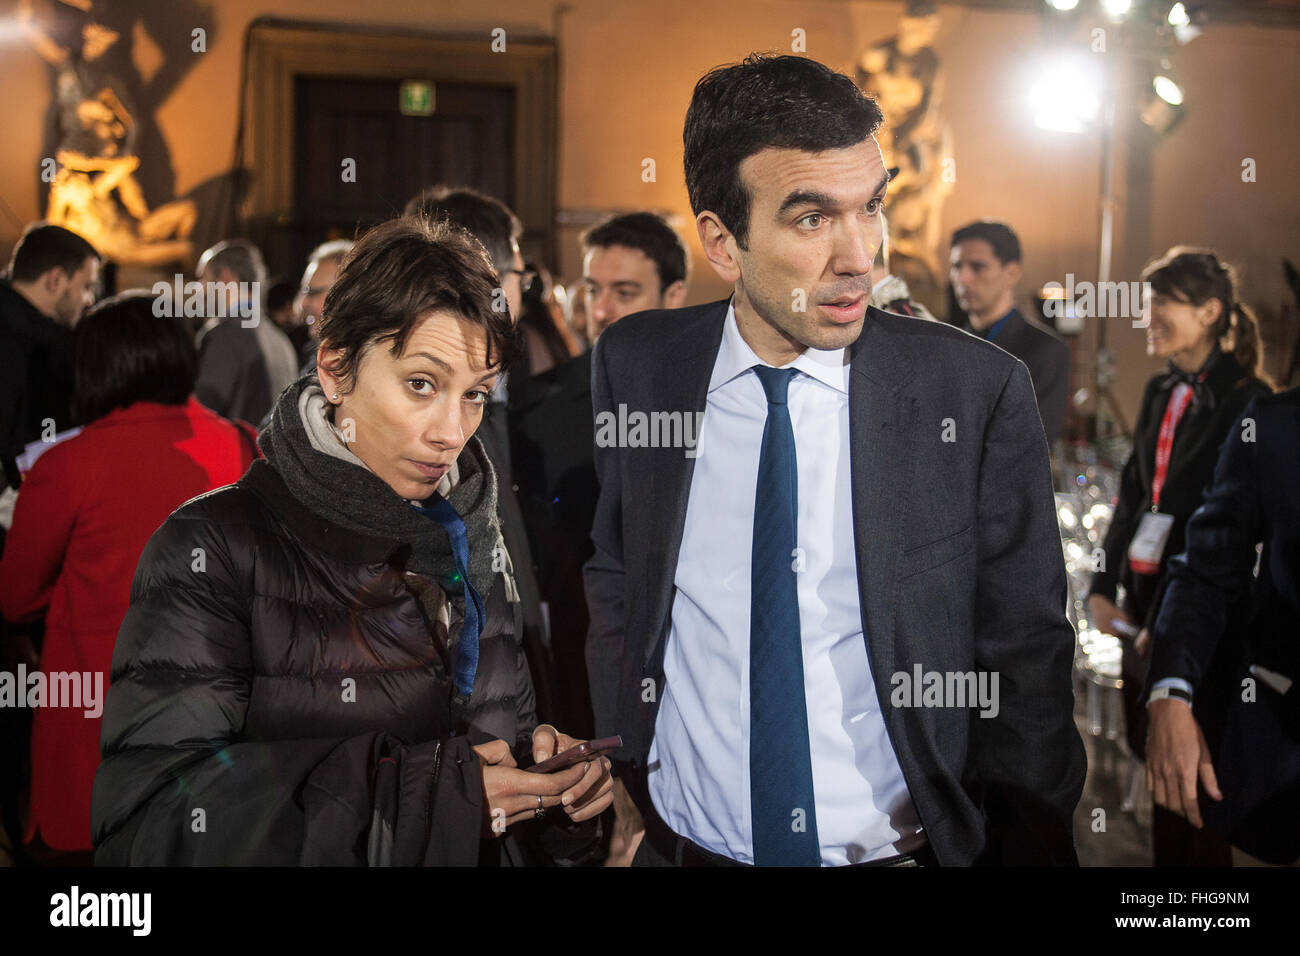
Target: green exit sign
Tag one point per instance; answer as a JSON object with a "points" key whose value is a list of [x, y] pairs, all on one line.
{"points": [[416, 98]]}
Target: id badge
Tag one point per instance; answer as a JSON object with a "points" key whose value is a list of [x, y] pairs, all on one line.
{"points": [[1148, 545]]}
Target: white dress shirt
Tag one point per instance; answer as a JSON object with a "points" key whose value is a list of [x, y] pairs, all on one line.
{"points": [[699, 756]]}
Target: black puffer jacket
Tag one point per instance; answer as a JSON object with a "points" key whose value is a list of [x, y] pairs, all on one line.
{"points": [[280, 696]]}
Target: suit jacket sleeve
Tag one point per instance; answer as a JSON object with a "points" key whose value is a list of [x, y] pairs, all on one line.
{"points": [[1029, 758], [1214, 570], [603, 573], [1053, 391], [180, 784]]}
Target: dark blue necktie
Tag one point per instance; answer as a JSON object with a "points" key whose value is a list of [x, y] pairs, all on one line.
{"points": [[440, 509], [780, 763]]}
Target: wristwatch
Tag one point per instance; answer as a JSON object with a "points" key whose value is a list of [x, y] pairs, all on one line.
{"points": [[1160, 693]]}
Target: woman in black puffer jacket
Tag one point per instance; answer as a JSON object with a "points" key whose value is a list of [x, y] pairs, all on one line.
{"points": [[319, 664]]}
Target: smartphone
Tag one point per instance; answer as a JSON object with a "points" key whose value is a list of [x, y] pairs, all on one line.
{"points": [[1125, 628], [583, 752]]}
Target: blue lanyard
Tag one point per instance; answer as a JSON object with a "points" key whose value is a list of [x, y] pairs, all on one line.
{"points": [[997, 326], [467, 650]]}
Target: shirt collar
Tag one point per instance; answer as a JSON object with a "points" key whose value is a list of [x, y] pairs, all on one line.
{"points": [[992, 331], [735, 357]]}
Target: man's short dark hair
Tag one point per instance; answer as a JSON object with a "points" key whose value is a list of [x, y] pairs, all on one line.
{"points": [[397, 273], [648, 233], [766, 101], [44, 247], [488, 220], [1006, 247], [127, 354], [241, 257]]}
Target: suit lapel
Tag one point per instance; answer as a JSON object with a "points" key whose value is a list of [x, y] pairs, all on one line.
{"points": [[1013, 331], [882, 437], [688, 365]]}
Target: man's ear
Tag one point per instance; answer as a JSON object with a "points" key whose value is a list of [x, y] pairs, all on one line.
{"points": [[719, 246], [674, 296], [1013, 272], [55, 282]]}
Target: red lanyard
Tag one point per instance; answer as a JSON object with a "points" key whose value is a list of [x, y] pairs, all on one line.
{"points": [[1178, 403]]}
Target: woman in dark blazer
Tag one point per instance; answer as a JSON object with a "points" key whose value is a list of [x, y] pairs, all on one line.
{"points": [[1212, 343], [321, 663]]}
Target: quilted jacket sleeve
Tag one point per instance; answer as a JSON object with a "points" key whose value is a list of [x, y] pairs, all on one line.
{"points": [[180, 784]]}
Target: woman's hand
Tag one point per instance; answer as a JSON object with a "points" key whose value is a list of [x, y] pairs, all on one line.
{"points": [[593, 791], [1103, 613], [511, 795]]}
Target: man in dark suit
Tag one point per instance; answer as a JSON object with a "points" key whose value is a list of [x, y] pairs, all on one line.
{"points": [[823, 531], [51, 280], [631, 262], [243, 367], [1216, 611], [985, 266]]}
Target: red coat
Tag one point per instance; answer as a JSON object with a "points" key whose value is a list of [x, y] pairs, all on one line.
{"points": [[82, 519]]}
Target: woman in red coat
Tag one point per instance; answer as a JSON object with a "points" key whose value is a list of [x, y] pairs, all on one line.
{"points": [[83, 516]]}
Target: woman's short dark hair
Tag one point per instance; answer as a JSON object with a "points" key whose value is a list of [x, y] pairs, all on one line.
{"points": [[399, 272], [125, 353], [766, 101]]}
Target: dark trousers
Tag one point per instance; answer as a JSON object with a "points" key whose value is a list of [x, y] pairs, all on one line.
{"points": [[1175, 842]]}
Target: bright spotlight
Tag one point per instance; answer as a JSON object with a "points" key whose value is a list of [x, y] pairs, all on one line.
{"points": [[1117, 8], [1184, 30], [1065, 97], [1163, 106], [1168, 90], [1063, 5]]}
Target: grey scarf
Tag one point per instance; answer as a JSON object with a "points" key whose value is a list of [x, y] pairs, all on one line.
{"points": [[302, 445]]}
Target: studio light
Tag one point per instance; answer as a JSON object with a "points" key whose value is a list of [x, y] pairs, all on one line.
{"points": [[1181, 20], [1063, 5], [1066, 96], [1163, 107], [1168, 90]]}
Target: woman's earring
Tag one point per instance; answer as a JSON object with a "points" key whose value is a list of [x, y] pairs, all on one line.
{"points": [[334, 397]]}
